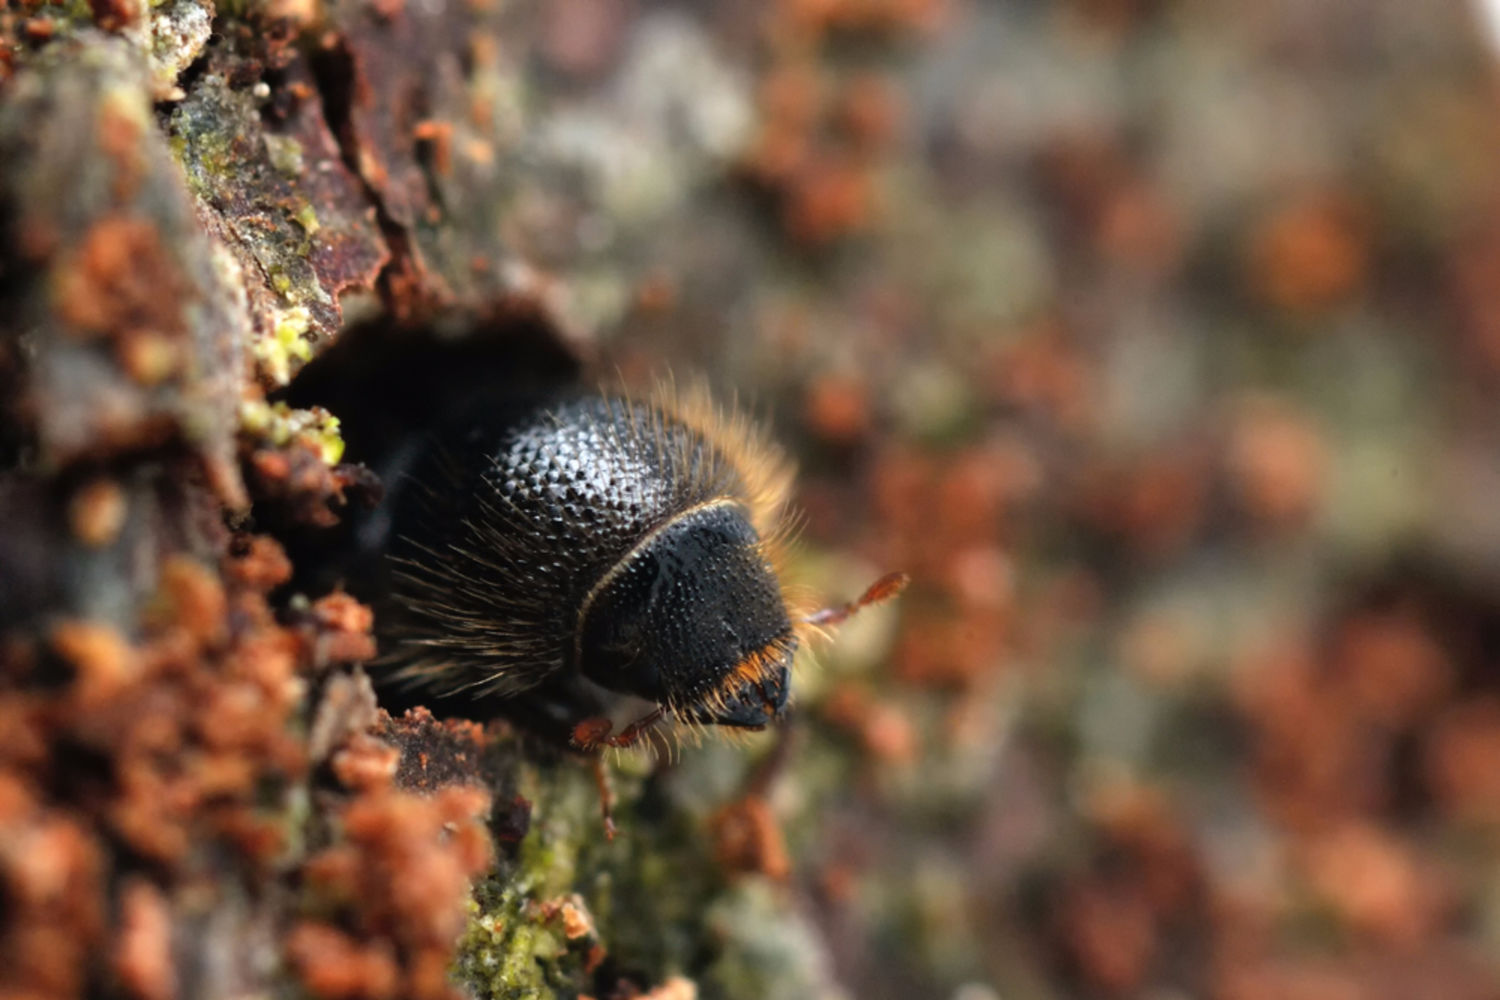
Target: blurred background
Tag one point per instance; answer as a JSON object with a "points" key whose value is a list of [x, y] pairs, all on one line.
{"points": [[1160, 342], [1157, 340]]}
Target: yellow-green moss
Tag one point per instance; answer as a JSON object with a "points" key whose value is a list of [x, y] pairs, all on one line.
{"points": [[657, 898], [285, 154], [286, 344], [281, 425]]}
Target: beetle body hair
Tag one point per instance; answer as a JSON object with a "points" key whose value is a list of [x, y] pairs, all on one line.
{"points": [[507, 529]]}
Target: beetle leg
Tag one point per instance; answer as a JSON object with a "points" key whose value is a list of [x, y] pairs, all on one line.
{"points": [[592, 733], [606, 798], [633, 732], [596, 732]]}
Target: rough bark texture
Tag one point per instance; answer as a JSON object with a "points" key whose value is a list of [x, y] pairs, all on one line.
{"points": [[1159, 340], [198, 794]]}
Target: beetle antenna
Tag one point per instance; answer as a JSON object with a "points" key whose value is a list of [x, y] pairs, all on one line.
{"points": [[881, 590]]}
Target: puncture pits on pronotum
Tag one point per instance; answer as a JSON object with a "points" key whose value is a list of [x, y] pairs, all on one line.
{"points": [[609, 563]]}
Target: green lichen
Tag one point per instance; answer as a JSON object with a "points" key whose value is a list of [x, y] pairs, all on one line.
{"points": [[207, 157], [514, 948], [286, 344], [660, 904], [280, 425], [285, 153], [251, 177], [509, 949], [307, 218]]}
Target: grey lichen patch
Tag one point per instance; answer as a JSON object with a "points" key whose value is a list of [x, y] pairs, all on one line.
{"points": [[505, 174], [767, 948], [132, 327], [169, 34], [600, 176], [676, 114], [178, 30]]}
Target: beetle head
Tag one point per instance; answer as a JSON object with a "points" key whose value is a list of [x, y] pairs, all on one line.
{"points": [[693, 618]]}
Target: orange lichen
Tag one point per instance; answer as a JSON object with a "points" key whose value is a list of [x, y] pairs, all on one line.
{"points": [[299, 477], [104, 662], [399, 877], [951, 651], [884, 729], [1139, 821], [192, 599], [1310, 764], [829, 199], [1310, 254], [1153, 504], [438, 136], [1108, 930], [813, 17], [747, 838], [120, 279], [96, 512], [822, 135], [1463, 761], [344, 628], [390, 891], [576, 921], [51, 868], [1391, 668], [333, 965], [116, 15], [889, 735], [366, 763], [1376, 884], [37, 29], [869, 111], [1045, 372], [143, 950], [192, 725], [838, 409], [262, 565], [1276, 462], [1136, 226]]}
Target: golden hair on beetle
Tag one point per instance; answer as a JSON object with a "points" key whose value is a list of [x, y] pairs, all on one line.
{"points": [[609, 560]]}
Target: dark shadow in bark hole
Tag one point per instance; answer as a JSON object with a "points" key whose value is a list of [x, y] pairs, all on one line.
{"points": [[392, 386]]}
